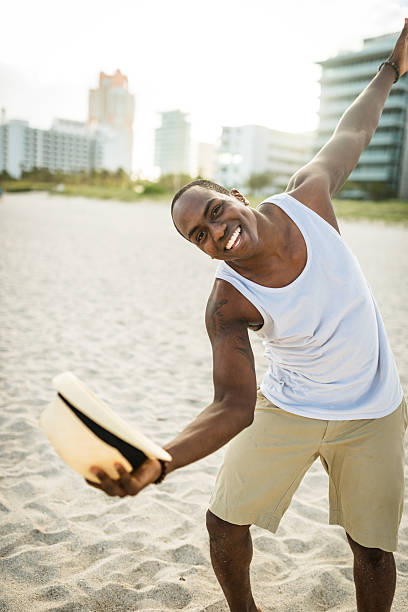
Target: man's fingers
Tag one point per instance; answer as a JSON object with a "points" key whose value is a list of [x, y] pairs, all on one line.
{"points": [[137, 480], [93, 484], [126, 481], [107, 484], [100, 487], [123, 474]]}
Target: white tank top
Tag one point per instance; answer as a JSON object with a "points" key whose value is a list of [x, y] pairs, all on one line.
{"points": [[324, 338]]}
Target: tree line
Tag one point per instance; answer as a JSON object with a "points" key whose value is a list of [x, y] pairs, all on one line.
{"points": [[257, 183]]}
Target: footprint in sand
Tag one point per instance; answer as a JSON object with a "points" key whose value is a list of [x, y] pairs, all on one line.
{"points": [[54, 593], [188, 554], [171, 595]]}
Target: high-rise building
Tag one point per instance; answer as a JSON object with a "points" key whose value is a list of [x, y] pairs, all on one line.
{"points": [[255, 149], [206, 159], [175, 152], [111, 113], [344, 77]]}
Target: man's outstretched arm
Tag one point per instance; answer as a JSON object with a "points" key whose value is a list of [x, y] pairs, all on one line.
{"points": [[231, 410], [328, 170], [234, 377]]}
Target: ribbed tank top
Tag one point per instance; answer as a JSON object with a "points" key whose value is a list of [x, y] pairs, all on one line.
{"points": [[325, 341]]}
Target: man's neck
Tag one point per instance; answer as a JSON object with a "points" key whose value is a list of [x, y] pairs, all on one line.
{"points": [[275, 231]]}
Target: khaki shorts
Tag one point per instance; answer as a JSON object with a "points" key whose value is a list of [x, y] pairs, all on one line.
{"points": [[265, 463]]}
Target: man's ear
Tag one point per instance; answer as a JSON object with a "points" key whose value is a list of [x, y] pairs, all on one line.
{"points": [[236, 194]]}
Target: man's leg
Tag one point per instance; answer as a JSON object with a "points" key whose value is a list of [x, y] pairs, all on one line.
{"points": [[231, 555], [365, 462], [374, 577]]}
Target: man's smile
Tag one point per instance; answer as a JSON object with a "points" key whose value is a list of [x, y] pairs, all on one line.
{"points": [[235, 239]]}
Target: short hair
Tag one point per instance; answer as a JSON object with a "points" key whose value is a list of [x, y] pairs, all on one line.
{"points": [[205, 184]]}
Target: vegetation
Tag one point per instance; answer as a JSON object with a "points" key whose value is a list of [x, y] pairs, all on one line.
{"points": [[371, 190], [100, 184], [390, 211], [259, 181], [119, 186]]}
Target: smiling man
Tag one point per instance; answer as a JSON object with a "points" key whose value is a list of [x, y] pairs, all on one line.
{"points": [[331, 390]]}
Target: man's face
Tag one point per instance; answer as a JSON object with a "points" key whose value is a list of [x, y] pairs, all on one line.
{"points": [[222, 226]]}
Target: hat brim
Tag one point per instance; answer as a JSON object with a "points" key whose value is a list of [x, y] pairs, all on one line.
{"points": [[86, 432]]}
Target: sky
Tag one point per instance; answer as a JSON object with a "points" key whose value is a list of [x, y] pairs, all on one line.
{"points": [[224, 62]]}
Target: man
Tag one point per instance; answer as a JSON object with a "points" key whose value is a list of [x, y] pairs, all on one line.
{"points": [[332, 388]]}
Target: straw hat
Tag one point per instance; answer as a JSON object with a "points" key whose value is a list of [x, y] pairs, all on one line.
{"points": [[86, 432]]}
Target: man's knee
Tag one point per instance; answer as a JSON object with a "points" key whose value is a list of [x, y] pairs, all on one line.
{"points": [[373, 557], [219, 529]]}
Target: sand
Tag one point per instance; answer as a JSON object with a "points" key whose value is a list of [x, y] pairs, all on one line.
{"points": [[111, 292]]}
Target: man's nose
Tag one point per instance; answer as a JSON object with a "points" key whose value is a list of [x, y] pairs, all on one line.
{"points": [[217, 230]]}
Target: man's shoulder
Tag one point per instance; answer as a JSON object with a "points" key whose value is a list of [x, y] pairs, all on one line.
{"points": [[223, 293], [312, 191], [234, 305]]}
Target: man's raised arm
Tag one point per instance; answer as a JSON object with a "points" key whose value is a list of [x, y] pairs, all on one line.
{"points": [[337, 159]]}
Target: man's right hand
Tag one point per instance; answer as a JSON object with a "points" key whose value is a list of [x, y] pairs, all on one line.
{"points": [[400, 52], [128, 483]]}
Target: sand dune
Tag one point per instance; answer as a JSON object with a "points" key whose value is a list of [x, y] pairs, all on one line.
{"points": [[112, 293]]}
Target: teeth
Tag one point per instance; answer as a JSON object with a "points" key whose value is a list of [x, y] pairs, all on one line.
{"points": [[233, 238]]}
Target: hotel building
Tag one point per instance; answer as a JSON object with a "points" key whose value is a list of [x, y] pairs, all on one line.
{"points": [[344, 77], [111, 114]]}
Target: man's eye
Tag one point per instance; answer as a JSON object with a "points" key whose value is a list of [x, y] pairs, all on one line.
{"points": [[200, 236], [215, 210]]}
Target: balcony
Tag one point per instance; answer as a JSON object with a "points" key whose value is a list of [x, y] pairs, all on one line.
{"points": [[352, 71], [392, 120], [397, 120], [380, 138], [373, 156], [331, 107], [386, 138], [371, 174], [345, 90]]}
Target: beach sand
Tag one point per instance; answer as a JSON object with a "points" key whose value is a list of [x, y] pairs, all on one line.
{"points": [[112, 293]]}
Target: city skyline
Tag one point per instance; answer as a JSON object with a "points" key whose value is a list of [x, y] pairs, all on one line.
{"points": [[213, 68]]}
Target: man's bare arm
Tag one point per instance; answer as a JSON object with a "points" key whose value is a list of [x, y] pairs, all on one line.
{"points": [[340, 155], [234, 400], [234, 396], [327, 172]]}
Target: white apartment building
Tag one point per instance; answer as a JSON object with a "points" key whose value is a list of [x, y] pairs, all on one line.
{"points": [[67, 147], [175, 152], [343, 78], [255, 149], [15, 150]]}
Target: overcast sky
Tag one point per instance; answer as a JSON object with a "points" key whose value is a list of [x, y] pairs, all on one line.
{"points": [[226, 62]]}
